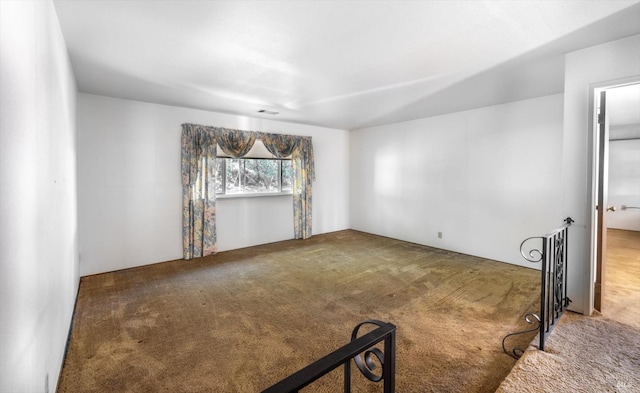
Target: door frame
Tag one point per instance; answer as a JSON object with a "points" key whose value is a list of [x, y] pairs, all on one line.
{"points": [[592, 196]]}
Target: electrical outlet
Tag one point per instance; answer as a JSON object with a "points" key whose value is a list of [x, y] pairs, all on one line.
{"points": [[439, 235]]}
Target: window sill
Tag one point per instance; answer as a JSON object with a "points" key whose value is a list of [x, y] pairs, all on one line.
{"points": [[254, 195]]}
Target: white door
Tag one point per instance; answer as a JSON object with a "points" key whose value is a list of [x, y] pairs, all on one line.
{"points": [[601, 207]]}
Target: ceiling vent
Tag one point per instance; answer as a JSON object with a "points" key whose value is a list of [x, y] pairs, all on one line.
{"points": [[268, 112]]}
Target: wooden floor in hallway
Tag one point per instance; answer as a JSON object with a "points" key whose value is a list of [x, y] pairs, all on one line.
{"points": [[622, 278]]}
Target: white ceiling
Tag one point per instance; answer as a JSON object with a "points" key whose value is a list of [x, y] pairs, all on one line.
{"points": [[340, 64]]}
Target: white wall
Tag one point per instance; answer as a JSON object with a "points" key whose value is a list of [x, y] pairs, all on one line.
{"points": [[129, 190], [624, 184], [583, 70], [38, 226], [486, 178]]}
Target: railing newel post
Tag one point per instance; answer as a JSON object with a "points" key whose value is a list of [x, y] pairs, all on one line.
{"points": [[359, 346]]}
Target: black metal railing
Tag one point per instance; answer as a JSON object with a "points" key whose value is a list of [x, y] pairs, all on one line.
{"points": [[552, 252], [362, 350]]}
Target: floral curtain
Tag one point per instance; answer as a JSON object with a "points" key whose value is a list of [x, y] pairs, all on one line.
{"points": [[198, 191], [198, 180], [303, 175], [301, 151]]}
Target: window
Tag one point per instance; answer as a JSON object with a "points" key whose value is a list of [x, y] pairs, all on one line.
{"points": [[253, 176], [256, 173]]}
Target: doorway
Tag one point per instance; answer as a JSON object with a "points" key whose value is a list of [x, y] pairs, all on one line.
{"points": [[617, 191]]}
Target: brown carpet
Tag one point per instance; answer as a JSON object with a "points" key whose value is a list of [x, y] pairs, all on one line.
{"points": [[241, 320], [592, 354]]}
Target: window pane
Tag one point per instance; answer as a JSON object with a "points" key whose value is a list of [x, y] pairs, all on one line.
{"points": [[268, 176], [234, 176], [287, 175], [247, 175], [260, 176], [251, 176]]}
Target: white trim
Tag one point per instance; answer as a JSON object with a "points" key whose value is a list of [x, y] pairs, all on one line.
{"points": [[594, 91], [253, 195]]}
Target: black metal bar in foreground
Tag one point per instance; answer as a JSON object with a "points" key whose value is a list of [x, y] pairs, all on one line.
{"points": [[359, 348], [553, 253]]}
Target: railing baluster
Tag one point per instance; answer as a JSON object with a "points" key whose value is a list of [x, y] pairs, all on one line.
{"points": [[543, 296], [347, 377], [553, 283], [389, 365]]}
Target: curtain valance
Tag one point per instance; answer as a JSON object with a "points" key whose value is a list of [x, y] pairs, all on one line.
{"points": [[237, 143]]}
